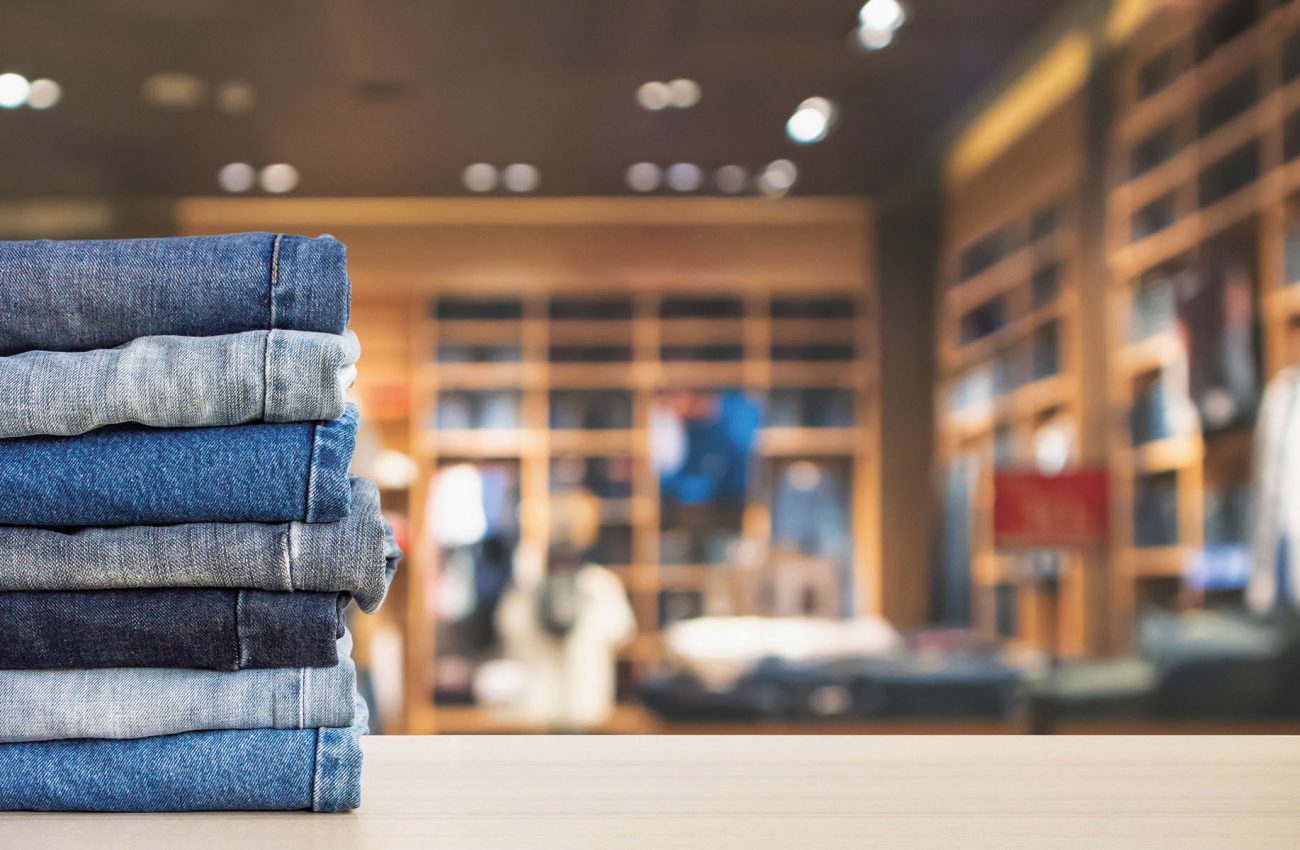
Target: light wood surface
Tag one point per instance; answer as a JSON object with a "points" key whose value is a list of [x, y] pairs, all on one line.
{"points": [[918, 793]]}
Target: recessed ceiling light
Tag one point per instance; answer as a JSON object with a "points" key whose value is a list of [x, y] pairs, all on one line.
{"points": [[479, 177], [279, 178], [236, 97], [684, 177], [875, 39], [237, 177], [520, 177], [173, 90], [14, 89], [811, 121], [654, 96], [683, 93], [731, 179], [43, 94], [643, 176], [882, 15]]}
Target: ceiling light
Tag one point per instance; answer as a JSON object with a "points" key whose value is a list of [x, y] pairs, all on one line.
{"points": [[882, 15], [520, 177], [173, 90], [778, 178], [236, 97], [731, 179], [14, 89], [43, 94], [875, 39], [479, 177], [279, 178], [643, 176], [237, 177], [683, 93], [684, 177], [811, 121], [654, 96]]}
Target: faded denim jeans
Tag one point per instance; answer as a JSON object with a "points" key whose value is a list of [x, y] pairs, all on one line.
{"points": [[247, 770], [83, 295], [132, 475], [199, 628], [135, 702], [179, 382], [357, 555]]}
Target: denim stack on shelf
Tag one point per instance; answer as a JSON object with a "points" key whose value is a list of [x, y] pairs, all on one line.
{"points": [[179, 536]]}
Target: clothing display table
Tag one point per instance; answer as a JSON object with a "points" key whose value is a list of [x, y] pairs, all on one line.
{"points": [[767, 792]]}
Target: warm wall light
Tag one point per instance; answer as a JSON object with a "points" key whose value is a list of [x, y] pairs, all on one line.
{"points": [[684, 177], [14, 90], [731, 179], [279, 178], [643, 176], [237, 177], [236, 97], [172, 90], [654, 96], [520, 177], [684, 93], [778, 178], [44, 94], [479, 177], [811, 121]]}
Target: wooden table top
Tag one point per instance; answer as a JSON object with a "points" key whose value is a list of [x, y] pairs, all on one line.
{"points": [[763, 792]]}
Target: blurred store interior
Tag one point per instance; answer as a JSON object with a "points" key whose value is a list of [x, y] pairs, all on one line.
{"points": [[907, 366]]}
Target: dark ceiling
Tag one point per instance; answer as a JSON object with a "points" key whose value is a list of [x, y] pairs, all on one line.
{"points": [[396, 97]]}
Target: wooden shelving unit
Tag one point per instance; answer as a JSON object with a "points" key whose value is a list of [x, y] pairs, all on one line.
{"points": [[1204, 155], [1016, 354]]}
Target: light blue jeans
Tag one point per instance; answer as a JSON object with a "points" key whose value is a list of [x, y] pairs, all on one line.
{"points": [[179, 382], [133, 702], [250, 770]]}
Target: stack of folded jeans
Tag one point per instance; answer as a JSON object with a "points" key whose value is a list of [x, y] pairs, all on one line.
{"points": [[179, 537]]}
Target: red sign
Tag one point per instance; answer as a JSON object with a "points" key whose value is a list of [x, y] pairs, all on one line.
{"points": [[1036, 511]]}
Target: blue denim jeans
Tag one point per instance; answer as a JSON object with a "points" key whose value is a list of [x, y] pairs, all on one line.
{"points": [[78, 296], [137, 702], [357, 554], [207, 629], [131, 475], [254, 769], [178, 382]]}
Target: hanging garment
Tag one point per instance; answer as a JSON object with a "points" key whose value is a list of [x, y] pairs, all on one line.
{"points": [[1216, 318], [1275, 515]]}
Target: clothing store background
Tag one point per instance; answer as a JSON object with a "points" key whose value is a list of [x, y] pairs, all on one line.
{"points": [[695, 336]]}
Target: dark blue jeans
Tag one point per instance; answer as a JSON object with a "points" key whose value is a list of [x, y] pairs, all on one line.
{"points": [[209, 629], [131, 475], [77, 296]]}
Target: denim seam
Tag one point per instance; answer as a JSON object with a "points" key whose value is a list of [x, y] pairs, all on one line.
{"points": [[315, 773], [290, 555], [275, 277], [311, 472], [266, 374], [239, 628], [304, 682]]}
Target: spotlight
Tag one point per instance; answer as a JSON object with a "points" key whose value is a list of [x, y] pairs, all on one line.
{"points": [[520, 177], [237, 177], [479, 177], [14, 90], [643, 176], [811, 121]]}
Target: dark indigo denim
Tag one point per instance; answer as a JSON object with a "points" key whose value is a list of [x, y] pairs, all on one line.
{"points": [[77, 296], [206, 629], [255, 769], [132, 475], [357, 554]]}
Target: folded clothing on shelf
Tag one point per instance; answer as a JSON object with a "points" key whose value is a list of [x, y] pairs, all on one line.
{"points": [[207, 629], [82, 295], [356, 554], [132, 475], [230, 770], [179, 382], [134, 702]]}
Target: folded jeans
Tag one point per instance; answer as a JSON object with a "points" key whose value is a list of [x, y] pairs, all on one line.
{"points": [[133, 475], [138, 702], [83, 295], [179, 382], [232, 770]]}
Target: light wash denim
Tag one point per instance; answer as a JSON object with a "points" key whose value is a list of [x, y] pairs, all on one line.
{"points": [[135, 702], [132, 475], [83, 295], [248, 770], [179, 382], [357, 555]]}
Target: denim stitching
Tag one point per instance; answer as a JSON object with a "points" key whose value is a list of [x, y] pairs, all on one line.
{"points": [[303, 683], [266, 374], [275, 277], [311, 472], [239, 627], [290, 555]]}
